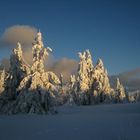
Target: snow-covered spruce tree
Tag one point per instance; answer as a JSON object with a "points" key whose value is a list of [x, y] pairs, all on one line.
{"points": [[131, 99], [41, 86], [35, 89], [120, 92], [83, 81], [102, 91], [67, 91], [137, 96], [93, 84], [72, 98], [82, 77], [89, 63], [72, 82], [18, 70], [2, 81]]}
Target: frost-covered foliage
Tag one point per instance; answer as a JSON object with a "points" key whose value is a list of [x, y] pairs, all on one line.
{"points": [[2, 81], [120, 91], [134, 96], [18, 70], [29, 89], [91, 85]]}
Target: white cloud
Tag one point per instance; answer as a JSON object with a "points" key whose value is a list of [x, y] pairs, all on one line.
{"points": [[66, 67], [18, 33], [130, 79]]}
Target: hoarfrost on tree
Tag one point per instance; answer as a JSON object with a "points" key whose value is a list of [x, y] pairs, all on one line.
{"points": [[120, 91], [30, 88]]}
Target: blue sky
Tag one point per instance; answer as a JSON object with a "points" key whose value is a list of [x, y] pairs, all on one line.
{"points": [[109, 28]]}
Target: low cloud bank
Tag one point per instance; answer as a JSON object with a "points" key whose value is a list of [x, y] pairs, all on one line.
{"points": [[18, 33], [130, 79]]}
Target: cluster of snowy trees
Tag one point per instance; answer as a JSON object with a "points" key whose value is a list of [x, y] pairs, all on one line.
{"points": [[30, 89], [91, 84]]}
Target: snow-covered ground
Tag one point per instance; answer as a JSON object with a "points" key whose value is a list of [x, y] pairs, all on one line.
{"points": [[102, 122]]}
